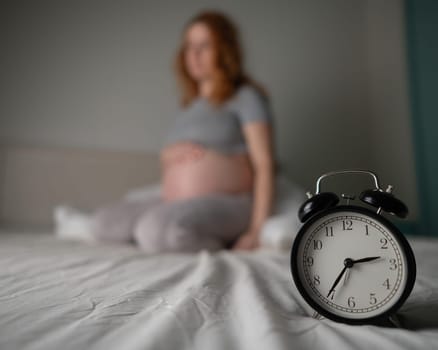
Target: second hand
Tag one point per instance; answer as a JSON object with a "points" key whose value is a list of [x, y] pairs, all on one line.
{"points": [[348, 263]]}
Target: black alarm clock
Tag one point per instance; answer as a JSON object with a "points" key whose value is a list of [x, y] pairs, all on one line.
{"points": [[349, 262]]}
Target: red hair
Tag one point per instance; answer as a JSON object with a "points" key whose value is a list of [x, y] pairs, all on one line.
{"points": [[229, 74]]}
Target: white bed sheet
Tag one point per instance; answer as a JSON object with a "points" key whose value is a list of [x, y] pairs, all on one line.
{"points": [[66, 295]]}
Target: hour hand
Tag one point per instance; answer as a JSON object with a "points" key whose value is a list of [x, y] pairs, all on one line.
{"points": [[370, 258], [352, 262]]}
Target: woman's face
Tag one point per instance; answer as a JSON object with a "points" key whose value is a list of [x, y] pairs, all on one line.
{"points": [[199, 52]]}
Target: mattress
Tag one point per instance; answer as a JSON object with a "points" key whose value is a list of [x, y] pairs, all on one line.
{"points": [[67, 295]]}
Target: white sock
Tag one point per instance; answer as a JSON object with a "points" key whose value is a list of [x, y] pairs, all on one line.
{"points": [[71, 224]]}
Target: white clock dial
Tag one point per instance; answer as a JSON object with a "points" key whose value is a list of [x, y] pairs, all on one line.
{"points": [[377, 272]]}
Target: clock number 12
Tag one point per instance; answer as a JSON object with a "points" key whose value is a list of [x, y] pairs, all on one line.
{"points": [[347, 225]]}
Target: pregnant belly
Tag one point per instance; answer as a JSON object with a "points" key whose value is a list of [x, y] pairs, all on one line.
{"points": [[191, 170]]}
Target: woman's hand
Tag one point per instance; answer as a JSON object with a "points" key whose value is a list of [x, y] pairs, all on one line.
{"points": [[248, 241], [259, 140]]}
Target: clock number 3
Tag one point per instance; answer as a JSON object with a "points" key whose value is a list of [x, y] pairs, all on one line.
{"points": [[392, 264]]}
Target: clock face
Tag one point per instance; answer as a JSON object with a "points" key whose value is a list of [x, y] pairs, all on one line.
{"points": [[352, 264]]}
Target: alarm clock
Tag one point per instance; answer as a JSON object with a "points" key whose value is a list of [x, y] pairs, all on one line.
{"points": [[350, 263]]}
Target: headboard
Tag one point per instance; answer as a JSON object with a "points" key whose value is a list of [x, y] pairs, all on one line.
{"points": [[35, 179]]}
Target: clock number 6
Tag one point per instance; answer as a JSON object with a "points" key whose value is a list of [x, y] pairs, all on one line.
{"points": [[351, 302]]}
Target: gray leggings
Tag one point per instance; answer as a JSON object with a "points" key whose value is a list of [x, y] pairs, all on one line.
{"points": [[211, 222]]}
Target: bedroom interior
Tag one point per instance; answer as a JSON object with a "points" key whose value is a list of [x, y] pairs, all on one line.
{"points": [[85, 93]]}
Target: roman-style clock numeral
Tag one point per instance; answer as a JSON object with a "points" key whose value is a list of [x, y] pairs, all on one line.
{"points": [[329, 231]]}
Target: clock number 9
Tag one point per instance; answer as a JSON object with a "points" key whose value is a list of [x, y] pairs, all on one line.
{"points": [[309, 261]]}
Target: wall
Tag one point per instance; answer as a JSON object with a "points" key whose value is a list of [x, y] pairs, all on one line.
{"points": [[391, 142], [97, 74], [422, 28]]}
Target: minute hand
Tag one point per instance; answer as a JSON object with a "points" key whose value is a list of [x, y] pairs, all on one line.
{"points": [[337, 281], [348, 264]]}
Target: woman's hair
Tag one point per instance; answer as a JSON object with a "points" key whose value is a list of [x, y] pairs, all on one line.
{"points": [[230, 73]]}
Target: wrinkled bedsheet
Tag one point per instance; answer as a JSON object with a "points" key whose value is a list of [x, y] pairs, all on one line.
{"points": [[67, 295]]}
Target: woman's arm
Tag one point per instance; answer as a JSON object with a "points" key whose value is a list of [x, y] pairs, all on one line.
{"points": [[258, 137]]}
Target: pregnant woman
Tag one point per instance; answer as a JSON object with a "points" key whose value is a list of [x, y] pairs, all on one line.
{"points": [[217, 159]]}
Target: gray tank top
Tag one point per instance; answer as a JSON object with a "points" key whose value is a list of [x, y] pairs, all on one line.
{"points": [[220, 128]]}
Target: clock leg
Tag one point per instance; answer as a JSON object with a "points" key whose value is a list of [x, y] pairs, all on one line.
{"points": [[317, 316], [395, 320], [391, 322]]}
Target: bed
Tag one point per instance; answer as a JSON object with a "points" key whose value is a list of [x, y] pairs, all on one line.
{"points": [[57, 294]]}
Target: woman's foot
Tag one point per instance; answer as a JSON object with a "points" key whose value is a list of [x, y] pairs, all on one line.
{"points": [[71, 224]]}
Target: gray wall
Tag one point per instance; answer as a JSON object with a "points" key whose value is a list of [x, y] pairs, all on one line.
{"points": [[388, 98], [97, 74]]}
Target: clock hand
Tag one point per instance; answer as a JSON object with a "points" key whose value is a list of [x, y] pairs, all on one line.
{"points": [[371, 258], [337, 280], [348, 263], [347, 274]]}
